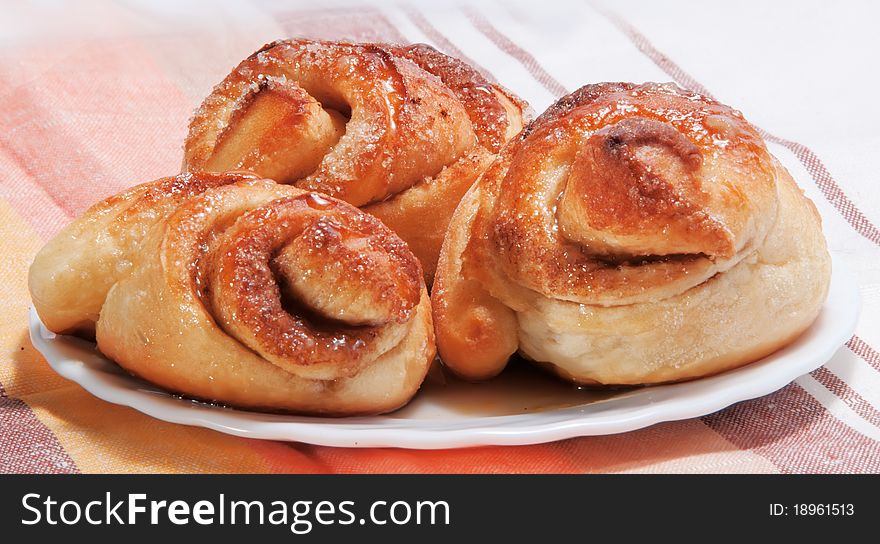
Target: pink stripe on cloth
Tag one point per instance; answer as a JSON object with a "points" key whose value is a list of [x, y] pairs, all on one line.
{"points": [[511, 48], [797, 434], [423, 24], [866, 352], [29, 200], [830, 189], [28, 133], [26, 445], [352, 23], [109, 119], [848, 395]]}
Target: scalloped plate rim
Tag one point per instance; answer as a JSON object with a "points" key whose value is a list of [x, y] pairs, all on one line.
{"points": [[642, 408]]}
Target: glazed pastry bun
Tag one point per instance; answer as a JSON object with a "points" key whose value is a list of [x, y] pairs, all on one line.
{"points": [[401, 131], [230, 288], [632, 234]]}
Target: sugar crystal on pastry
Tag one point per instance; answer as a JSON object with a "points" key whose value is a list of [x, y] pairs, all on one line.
{"points": [[631, 234], [243, 291], [401, 131]]}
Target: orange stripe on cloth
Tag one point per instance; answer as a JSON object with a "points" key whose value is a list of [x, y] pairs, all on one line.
{"points": [[686, 446], [21, 368], [102, 437], [481, 460]]}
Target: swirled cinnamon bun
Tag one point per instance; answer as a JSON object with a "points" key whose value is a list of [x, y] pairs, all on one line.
{"points": [[632, 234], [235, 289], [401, 131]]}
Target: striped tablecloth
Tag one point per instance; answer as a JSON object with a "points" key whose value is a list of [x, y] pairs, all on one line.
{"points": [[96, 97]]}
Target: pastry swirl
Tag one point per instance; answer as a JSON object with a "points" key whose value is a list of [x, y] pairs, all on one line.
{"points": [[243, 291], [631, 234], [402, 131]]}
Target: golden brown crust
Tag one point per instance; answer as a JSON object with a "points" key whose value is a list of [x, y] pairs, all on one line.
{"points": [[249, 293], [471, 325], [620, 239], [487, 111], [361, 122], [424, 211], [588, 197], [73, 272]]}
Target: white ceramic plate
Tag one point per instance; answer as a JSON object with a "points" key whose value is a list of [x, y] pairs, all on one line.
{"points": [[522, 407]]}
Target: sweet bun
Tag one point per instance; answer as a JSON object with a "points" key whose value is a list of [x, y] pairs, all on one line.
{"points": [[234, 289], [401, 131], [632, 234]]}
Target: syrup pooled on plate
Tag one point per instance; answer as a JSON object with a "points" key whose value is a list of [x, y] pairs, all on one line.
{"points": [[521, 389]]}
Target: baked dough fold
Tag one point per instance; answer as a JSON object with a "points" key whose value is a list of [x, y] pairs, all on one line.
{"points": [[632, 234], [402, 131], [231, 288]]}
